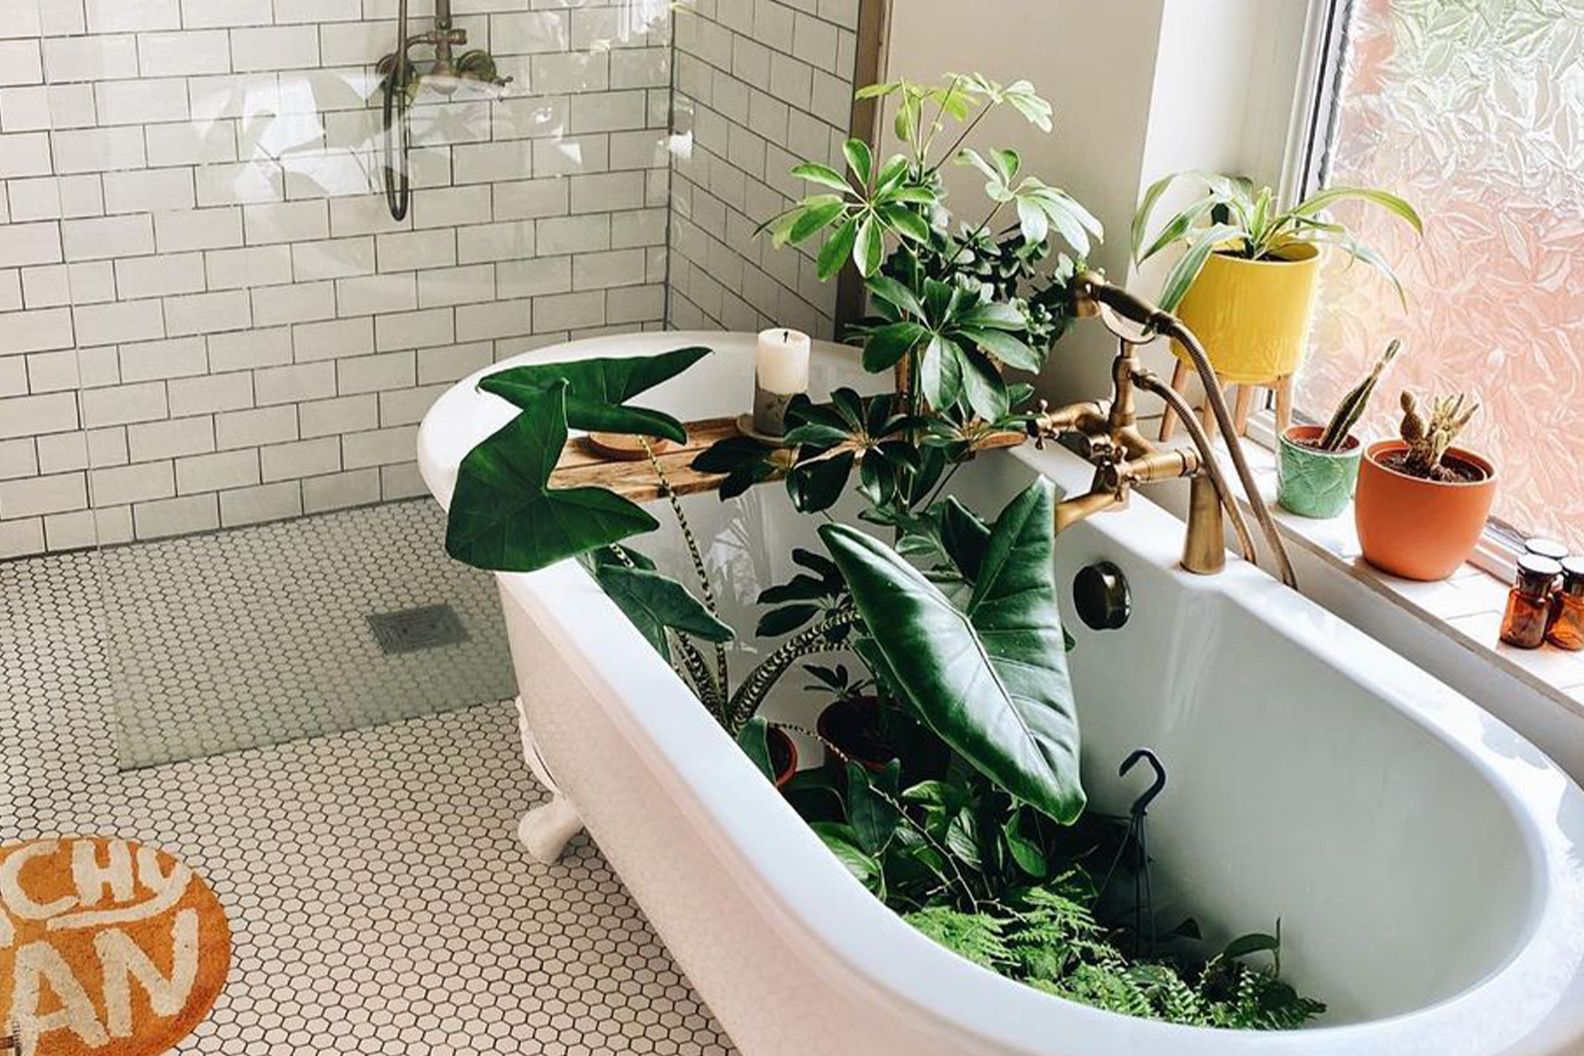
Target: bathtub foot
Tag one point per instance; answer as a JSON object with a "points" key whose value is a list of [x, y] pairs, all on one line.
{"points": [[546, 829]]}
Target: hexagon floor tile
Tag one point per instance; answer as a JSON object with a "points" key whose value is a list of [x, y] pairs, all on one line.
{"points": [[260, 635], [379, 900]]}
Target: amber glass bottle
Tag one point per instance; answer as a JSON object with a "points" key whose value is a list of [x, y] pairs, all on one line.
{"points": [[1567, 617], [1529, 602], [1556, 552]]}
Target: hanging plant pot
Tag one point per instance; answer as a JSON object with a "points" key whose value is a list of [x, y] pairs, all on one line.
{"points": [[853, 725], [1316, 483], [1417, 528], [783, 755], [1253, 316]]}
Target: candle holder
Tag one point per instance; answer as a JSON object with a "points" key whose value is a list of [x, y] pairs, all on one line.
{"points": [[781, 374], [769, 411]]}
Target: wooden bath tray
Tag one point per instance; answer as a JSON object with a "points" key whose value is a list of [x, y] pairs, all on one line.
{"points": [[581, 465]]}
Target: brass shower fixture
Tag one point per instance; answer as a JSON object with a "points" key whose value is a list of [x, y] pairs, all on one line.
{"points": [[400, 79], [1124, 459]]}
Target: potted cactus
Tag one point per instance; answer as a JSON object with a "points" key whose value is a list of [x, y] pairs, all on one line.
{"points": [[1422, 503], [1318, 465]]}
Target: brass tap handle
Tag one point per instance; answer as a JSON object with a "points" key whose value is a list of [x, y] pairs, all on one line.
{"points": [[1092, 295], [1089, 418]]}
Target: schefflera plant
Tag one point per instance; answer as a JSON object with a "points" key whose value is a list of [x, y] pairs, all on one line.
{"points": [[954, 301], [951, 306]]}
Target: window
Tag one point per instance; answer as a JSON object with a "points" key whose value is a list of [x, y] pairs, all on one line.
{"points": [[1474, 111]]}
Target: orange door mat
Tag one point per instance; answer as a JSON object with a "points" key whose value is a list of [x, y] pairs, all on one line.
{"points": [[107, 948]]}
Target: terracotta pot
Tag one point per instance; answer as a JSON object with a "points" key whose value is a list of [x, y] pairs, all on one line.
{"points": [[783, 755], [1420, 529], [853, 726], [1253, 316], [1316, 483]]}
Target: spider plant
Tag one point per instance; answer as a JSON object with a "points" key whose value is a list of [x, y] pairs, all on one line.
{"points": [[1232, 216]]}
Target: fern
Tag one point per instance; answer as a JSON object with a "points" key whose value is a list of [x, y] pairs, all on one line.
{"points": [[974, 936], [1243, 997], [1105, 987], [1051, 940], [1171, 998], [1056, 929]]}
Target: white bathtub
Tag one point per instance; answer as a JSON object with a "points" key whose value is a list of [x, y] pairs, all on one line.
{"points": [[1426, 861]]}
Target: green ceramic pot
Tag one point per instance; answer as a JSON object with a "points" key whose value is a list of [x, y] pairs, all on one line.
{"points": [[1316, 483]]}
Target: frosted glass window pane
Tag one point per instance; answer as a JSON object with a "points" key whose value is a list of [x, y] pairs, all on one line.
{"points": [[1475, 112]]}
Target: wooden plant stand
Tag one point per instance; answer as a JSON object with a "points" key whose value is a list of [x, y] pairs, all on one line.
{"points": [[582, 465], [1242, 405]]}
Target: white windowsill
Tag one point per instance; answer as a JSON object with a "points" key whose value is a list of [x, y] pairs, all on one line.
{"points": [[1463, 612]]}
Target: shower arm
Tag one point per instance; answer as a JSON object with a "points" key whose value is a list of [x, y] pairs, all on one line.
{"points": [[443, 37]]}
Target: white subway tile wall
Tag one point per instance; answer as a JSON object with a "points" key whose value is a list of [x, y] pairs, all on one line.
{"points": [[207, 316], [761, 85]]}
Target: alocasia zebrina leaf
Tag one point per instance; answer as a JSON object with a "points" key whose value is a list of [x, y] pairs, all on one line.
{"points": [[655, 603], [505, 517], [597, 388], [991, 681]]}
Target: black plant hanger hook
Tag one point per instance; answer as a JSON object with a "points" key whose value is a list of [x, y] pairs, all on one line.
{"points": [[1137, 842], [1141, 804]]}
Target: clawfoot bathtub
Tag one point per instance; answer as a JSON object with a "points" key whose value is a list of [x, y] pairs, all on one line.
{"points": [[1427, 863]]}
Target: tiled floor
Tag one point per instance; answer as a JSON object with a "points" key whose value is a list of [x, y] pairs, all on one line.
{"points": [[257, 636], [378, 898]]}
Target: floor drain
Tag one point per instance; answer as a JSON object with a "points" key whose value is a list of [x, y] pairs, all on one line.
{"points": [[412, 630]]}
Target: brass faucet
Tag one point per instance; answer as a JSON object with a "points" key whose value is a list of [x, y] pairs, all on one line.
{"points": [[1125, 460]]}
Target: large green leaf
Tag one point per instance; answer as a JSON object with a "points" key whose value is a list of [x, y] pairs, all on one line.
{"points": [[597, 388], [992, 682], [843, 843], [872, 808], [964, 537], [755, 743], [1186, 270], [504, 515], [655, 603]]}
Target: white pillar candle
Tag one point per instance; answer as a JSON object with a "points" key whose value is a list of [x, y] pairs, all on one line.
{"points": [[782, 364]]}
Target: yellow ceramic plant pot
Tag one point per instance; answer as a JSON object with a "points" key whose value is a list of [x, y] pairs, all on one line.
{"points": [[1253, 316]]}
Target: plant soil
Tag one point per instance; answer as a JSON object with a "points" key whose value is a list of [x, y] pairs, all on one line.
{"points": [[1452, 470]]}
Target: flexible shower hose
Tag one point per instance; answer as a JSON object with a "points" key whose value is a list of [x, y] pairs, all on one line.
{"points": [[398, 178]]}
